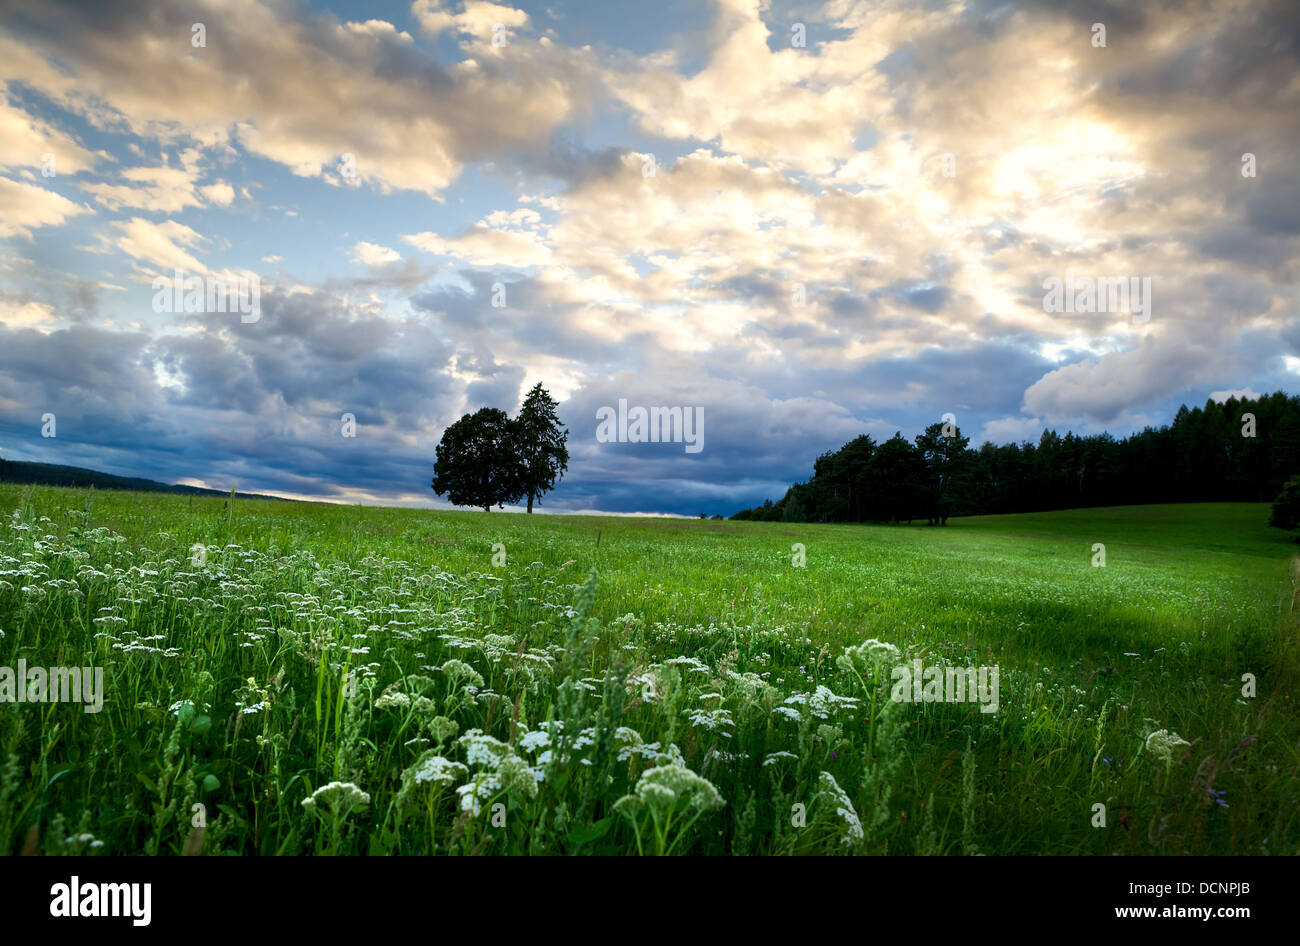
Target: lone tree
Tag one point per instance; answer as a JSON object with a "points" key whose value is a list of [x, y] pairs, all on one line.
{"points": [[541, 442], [479, 462]]}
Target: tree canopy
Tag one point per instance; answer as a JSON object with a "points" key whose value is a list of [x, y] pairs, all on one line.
{"points": [[487, 459], [479, 462], [541, 440], [1238, 450]]}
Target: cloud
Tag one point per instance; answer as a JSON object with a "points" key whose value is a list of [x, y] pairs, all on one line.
{"points": [[25, 141], [373, 94], [372, 254], [161, 247], [477, 19], [1103, 389], [26, 207], [219, 194], [1241, 394], [805, 262], [168, 188], [25, 313], [790, 107], [482, 245], [1010, 430]]}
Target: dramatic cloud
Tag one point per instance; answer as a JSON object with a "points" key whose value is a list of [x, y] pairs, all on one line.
{"points": [[306, 92], [807, 222]]}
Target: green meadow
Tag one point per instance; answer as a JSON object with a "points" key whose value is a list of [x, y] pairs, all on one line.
{"points": [[289, 678]]}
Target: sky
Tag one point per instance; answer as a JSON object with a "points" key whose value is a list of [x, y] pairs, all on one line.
{"points": [[800, 222]]}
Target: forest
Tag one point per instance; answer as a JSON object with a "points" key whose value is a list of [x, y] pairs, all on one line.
{"points": [[1238, 450]]}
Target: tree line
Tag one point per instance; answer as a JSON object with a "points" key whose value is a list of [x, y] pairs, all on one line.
{"points": [[1240, 450], [489, 459]]}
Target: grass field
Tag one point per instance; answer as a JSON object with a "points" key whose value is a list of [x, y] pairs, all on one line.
{"points": [[662, 686]]}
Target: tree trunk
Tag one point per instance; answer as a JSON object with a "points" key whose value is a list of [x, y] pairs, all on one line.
{"points": [[530, 503]]}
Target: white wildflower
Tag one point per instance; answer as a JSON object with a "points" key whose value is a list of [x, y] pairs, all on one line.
{"points": [[339, 797], [665, 788], [1163, 742], [710, 719], [433, 769], [868, 655], [829, 790], [482, 749]]}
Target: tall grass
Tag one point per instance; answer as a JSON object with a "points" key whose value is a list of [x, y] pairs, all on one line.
{"points": [[651, 686]]}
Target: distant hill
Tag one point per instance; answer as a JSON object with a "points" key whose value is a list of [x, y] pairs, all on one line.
{"points": [[49, 474]]}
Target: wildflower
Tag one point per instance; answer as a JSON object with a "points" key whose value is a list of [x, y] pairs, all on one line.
{"points": [[1162, 744], [458, 670], [339, 797], [868, 655], [395, 700], [829, 791], [823, 701], [431, 769], [482, 749], [516, 775], [442, 729], [711, 719], [718, 755], [417, 683], [472, 793], [668, 792], [661, 788], [538, 739]]}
